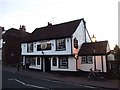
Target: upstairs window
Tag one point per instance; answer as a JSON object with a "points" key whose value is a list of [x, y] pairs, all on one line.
{"points": [[61, 45], [30, 47]]}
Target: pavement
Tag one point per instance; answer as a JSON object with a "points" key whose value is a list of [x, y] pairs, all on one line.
{"points": [[106, 84]]}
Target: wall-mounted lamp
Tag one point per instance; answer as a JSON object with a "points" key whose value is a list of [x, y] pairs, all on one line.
{"points": [[24, 45], [67, 40], [42, 53], [52, 44]]}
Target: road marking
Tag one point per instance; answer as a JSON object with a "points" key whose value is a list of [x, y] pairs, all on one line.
{"points": [[19, 81], [29, 84], [87, 86]]}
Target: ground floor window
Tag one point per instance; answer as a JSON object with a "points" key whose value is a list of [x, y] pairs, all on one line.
{"points": [[38, 60], [33, 61], [54, 61], [86, 60], [63, 62]]}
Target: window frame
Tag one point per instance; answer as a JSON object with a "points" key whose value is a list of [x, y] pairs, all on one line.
{"points": [[31, 61], [90, 59], [86, 59], [54, 61], [38, 63], [64, 61], [30, 47], [58, 41]]}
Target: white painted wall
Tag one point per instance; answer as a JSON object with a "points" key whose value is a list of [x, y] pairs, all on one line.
{"points": [[108, 48], [79, 34], [104, 66], [98, 63], [86, 67], [24, 48], [71, 65], [48, 52]]}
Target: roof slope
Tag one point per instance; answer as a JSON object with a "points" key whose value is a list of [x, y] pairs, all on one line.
{"points": [[94, 48], [54, 31], [14, 32]]}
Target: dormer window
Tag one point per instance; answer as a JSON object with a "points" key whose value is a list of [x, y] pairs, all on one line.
{"points": [[61, 45]]}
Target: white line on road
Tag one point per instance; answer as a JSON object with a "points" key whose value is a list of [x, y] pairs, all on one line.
{"points": [[67, 83], [29, 84]]}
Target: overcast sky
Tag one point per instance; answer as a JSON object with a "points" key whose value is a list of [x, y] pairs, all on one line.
{"points": [[101, 16]]}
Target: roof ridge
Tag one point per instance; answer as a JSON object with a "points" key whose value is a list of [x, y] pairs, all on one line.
{"points": [[60, 23]]}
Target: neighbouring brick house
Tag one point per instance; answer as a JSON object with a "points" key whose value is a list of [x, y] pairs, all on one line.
{"points": [[11, 45]]}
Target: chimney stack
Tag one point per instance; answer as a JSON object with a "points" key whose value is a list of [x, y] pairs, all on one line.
{"points": [[49, 24], [22, 28]]}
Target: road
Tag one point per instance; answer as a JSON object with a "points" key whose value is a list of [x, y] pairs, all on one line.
{"points": [[13, 80]]}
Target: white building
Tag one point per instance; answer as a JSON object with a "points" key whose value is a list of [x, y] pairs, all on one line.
{"points": [[94, 55], [55, 47]]}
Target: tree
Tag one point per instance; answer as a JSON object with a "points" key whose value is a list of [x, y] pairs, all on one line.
{"points": [[117, 53]]}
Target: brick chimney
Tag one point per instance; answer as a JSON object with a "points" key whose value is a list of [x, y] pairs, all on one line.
{"points": [[22, 28], [49, 24]]}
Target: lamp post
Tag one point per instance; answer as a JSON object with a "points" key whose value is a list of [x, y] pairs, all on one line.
{"points": [[94, 40], [43, 61]]}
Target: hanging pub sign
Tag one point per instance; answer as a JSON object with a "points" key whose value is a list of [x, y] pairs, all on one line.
{"points": [[44, 46], [75, 46], [75, 43]]}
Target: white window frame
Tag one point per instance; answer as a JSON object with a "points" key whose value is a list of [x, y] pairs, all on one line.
{"points": [[90, 59], [63, 62], [33, 61], [86, 60], [38, 61], [54, 61], [60, 44], [83, 59], [30, 47]]}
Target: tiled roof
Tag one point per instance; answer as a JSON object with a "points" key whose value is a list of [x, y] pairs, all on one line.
{"points": [[14, 32], [53, 31], [93, 48]]}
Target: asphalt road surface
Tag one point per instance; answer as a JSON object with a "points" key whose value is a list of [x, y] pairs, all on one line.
{"points": [[13, 80]]}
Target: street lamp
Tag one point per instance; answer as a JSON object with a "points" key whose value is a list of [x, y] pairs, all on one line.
{"points": [[43, 61], [94, 40]]}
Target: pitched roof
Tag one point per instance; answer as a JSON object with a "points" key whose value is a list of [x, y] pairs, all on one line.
{"points": [[93, 48], [53, 31], [14, 32]]}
